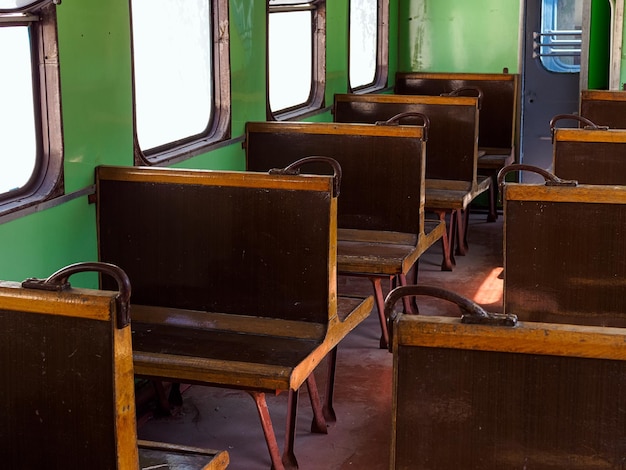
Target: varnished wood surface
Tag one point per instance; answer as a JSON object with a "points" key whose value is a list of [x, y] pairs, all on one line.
{"points": [[259, 361], [67, 381], [498, 112], [555, 339], [450, 194], [590, 194], [382, 167], [156, 455], [590, 156], [190, 246], [452, 146], [604, 107], [189, 250], [482, 398], [238, 179], [565, 257]]}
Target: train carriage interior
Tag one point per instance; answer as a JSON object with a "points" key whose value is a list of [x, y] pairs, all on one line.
{"points": [[315, 234]]}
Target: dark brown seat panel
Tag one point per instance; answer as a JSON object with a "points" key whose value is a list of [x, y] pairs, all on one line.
{"points": [[564, 254], [381, 205], [590, 156], [541, 395], [68, 383], [242, 262], [604, 107]]}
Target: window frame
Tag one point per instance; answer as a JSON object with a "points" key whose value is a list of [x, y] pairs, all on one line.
{"points": [[219, 127], [46, 181], [550, 48], [381, 74], [316, 99]]}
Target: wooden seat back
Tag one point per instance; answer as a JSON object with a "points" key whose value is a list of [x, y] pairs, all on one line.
{"points": [[604, 107], [452, 146], [230, 242], [491, 396], [67, 380], [498, 105], [590, 156], [564, 257], [382, 185]]}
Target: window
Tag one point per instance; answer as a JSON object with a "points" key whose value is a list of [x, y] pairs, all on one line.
{"points": [[296, 56], [559, 42], [30, 115], [368, 51], [181, 86]]}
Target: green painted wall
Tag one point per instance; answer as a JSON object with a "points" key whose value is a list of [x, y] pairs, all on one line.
{"points": [[459, 36]]}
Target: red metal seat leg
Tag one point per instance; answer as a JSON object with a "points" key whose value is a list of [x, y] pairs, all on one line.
{"points": [[268, 431]]}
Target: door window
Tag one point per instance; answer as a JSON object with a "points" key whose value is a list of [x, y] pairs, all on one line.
{"points": [[559, 42]]}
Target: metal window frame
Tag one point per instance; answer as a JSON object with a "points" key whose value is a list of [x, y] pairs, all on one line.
{"points": [[549, 50], [315, 101], [218, 129], [381, 74], [46, 181]]}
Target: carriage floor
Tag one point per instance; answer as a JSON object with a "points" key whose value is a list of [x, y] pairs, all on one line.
{"points": [[227, 419]]}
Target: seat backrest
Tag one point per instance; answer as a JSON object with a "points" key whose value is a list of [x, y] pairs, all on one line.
{"points": [[382, 185], [564, 253], [229, 242], [476, 396], [498, 107], [604, 107], [590, 156], [67, 377], [452, 146]]}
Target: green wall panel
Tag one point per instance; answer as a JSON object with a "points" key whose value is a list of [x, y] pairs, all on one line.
{"points": [[453, 36], [96, 92], [41, 243]]}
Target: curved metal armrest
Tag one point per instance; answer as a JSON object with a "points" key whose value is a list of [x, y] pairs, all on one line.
{"points": [[464, 89], [550, 179], [471, 312], [588, 124], [59, 281], [395, 120], [294, 169]]}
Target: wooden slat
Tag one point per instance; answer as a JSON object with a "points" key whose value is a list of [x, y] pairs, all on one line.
{"points": [[591, 194], [590, 135], [157, 455], [79, 303], [526, 338], [413, 132], [214, 178]]}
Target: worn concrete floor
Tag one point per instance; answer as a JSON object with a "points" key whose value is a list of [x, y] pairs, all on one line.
{"points": [[227, 419]]}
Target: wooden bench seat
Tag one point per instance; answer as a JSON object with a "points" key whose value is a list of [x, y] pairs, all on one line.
{"points": [[483, 396], [67, 380], [451, 151], [498, 112], [381, 227], [604, 107], [234, 280]]}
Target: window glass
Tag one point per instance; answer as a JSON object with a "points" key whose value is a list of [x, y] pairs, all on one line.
{"points": [[290, 59], [363, 42], [296, 57], [172, 44], [559, 42], [18, 144], [17, 4]]}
